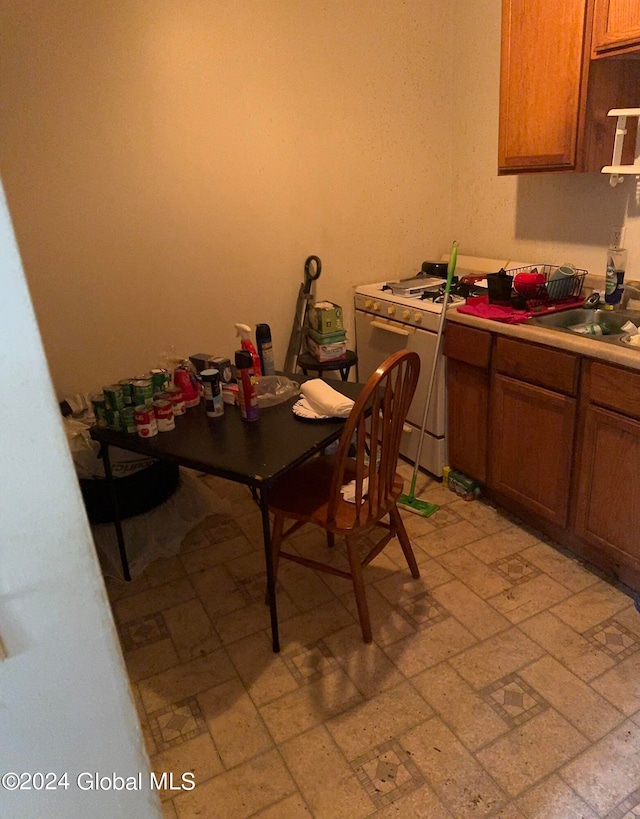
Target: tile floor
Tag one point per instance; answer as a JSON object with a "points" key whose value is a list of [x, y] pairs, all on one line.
{"points": [[503, 683]]}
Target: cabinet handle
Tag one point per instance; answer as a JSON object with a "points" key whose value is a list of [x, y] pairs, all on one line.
{"points": [[390, 328]]}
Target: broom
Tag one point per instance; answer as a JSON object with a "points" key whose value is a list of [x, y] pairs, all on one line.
{"points": [[410, 502]]}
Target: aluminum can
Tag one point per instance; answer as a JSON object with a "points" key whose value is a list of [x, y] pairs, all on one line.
{"points": [[99, 409], [129, 420], [115, 420], [159, 380], [127, 391], [142, 392], [114, 397], [146, 423], [177, 400], [164, 415], [223, 366], [214, 405]]}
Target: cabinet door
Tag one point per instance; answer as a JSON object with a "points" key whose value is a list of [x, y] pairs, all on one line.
{"points": [[531, 446], [608, 505], [616, 27], [542, 84], [468, 410]]}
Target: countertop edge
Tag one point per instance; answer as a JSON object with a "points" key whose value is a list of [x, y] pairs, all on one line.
{"points": [[535, 334]]}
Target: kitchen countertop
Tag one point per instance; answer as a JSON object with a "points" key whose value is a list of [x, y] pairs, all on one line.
{"points": [[537, 334]]}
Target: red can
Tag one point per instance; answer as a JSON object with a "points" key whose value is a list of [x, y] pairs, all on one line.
{"points": [[177, 399], [146, 423], [164, 415]]}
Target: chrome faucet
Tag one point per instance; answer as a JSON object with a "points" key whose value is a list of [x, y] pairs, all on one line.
{"points": [[631, 290]]}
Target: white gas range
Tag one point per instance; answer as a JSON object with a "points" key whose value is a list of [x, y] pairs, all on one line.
{"points": [[387, 321]]}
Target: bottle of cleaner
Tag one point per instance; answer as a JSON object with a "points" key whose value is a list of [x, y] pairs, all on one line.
{"points": [[244, 331], [247, 393], [265, 349], [616, 266]]}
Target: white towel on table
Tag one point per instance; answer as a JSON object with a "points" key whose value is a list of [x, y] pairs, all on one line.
{"points": [[324, 400]]}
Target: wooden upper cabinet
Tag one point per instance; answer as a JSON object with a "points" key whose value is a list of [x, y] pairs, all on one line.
{"points": [[554, 98], [542, 84], [616, 28]]}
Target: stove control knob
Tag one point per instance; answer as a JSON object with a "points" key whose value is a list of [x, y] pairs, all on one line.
{"points": [[376, 305], [406, 315], [391, 310], [417, 317], [368, 303]]}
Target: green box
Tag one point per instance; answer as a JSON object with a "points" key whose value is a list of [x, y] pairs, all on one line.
{"points": [[325, 319], [326, 338]]}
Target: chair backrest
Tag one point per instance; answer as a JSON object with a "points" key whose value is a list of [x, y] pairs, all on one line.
{"points": [[375, 426]]}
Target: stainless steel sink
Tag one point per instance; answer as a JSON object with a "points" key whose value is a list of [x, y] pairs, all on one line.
{"points": [[607, 324]]}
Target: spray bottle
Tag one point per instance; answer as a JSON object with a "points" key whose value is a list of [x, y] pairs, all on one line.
{"points": [[616, 266], [265, 349], [247, 394], [244, 331]]}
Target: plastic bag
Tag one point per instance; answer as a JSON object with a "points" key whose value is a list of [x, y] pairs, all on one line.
{"points": [[275, 389]]}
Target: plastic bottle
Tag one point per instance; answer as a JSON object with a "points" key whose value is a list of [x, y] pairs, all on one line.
{"points": [[247, 394], [616, 266], [244, 331], [265, 349]]}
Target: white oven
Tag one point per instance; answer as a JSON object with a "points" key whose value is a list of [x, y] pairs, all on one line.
{"points": [[387, 322]]}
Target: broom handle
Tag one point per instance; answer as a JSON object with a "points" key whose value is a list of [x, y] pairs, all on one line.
{"points": [[434, 366]]}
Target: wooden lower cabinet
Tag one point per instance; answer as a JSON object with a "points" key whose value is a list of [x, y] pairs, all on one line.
{"points": [[468, 354], [531, 446], [554, 437]]}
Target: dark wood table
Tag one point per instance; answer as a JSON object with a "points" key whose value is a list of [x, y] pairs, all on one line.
{"points": [[254, 453]]}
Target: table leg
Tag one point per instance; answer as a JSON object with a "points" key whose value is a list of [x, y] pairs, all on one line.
{"points": [[271, 586], [116, 512]]}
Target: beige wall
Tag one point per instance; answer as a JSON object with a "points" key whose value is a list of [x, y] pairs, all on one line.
{"points": [[170, 165]]}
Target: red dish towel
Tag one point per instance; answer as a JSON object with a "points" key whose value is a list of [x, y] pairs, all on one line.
{"points": [[493, 311]]}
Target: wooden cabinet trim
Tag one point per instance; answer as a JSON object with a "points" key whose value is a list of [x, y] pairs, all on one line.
{"points": [[613, 387], [467, 344], [616, 28], [544, 366]]}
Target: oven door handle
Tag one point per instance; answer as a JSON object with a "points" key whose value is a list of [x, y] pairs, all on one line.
{"points": [[390, 328]]}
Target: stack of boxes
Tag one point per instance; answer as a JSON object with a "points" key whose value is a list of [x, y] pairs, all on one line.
{"points": [[326, 337]]}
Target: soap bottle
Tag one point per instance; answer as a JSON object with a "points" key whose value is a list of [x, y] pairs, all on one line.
{"points": [[265, 349], [616, 266], [244, 331]]}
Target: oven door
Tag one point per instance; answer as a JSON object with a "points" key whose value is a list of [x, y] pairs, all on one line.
{"points": [[377, 338]]}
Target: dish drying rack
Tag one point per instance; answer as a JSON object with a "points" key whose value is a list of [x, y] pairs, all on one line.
{"points": [[566, 289]]}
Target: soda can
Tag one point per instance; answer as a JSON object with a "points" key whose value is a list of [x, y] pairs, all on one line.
{"points": [[142, 392], [114, 397], [127, 391], [214, 405], [99, 409], [177, 400], [129, 420], [164, 415], [146, 423], [159, 380]]}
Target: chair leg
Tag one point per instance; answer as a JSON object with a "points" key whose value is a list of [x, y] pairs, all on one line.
{"points": [[358, 588], [405, 543], [331, 540]]}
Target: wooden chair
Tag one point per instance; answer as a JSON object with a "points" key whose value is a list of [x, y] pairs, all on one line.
{"points": [[312, 493]]}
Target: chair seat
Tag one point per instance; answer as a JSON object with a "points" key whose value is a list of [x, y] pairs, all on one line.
{"points": [[303, 494]]}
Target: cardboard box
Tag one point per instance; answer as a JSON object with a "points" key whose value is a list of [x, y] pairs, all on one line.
{"points": [[326, 338], [325, 317], [327, 352]]}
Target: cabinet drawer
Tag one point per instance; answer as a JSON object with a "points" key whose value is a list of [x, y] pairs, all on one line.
{"points": [[468, 345], [614, 388], [543, 366]]}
